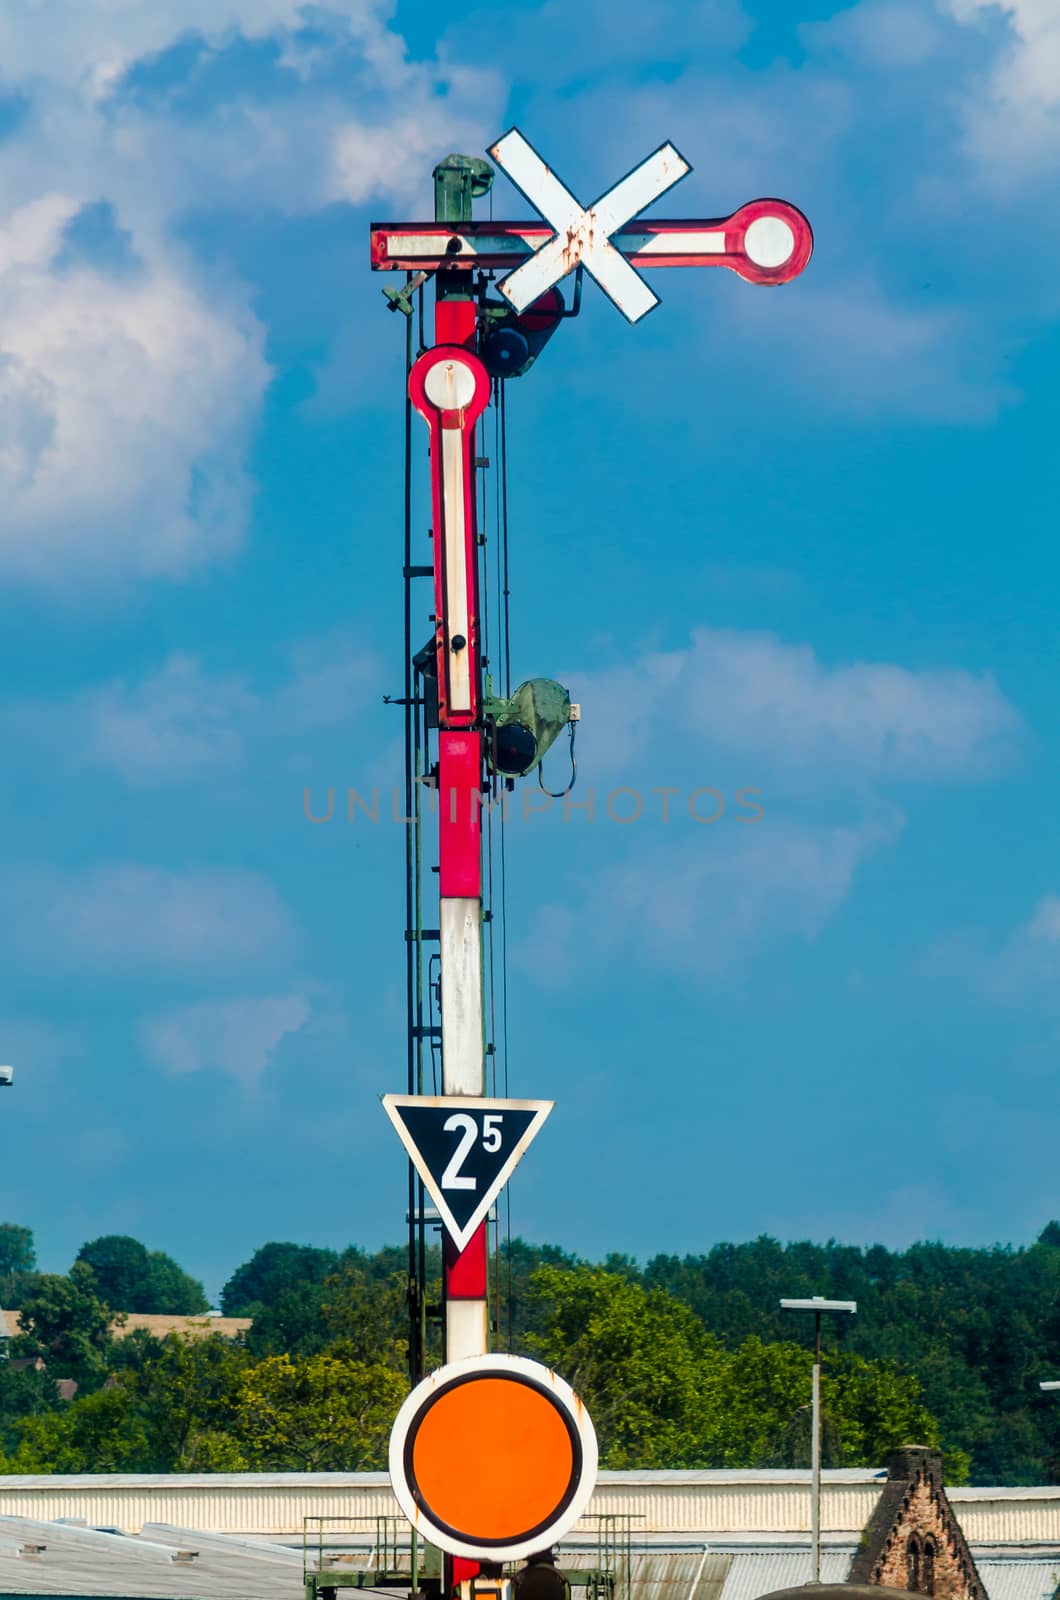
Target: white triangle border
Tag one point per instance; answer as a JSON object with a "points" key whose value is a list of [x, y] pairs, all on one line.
{"points": [[392, 1104]]}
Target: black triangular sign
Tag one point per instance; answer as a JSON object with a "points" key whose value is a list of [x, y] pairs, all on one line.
{"points": [[465, 1149]]}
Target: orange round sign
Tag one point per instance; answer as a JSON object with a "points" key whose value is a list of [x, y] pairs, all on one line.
{"points": [[493, 1457]]}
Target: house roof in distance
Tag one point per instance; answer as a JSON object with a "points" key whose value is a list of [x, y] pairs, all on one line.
{"points": [[158, 1324]]}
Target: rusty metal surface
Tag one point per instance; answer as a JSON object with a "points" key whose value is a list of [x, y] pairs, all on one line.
{"points": [[662, 1575]]}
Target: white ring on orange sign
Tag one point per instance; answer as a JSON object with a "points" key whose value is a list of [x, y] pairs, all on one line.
{"points": [[566, 1402]]}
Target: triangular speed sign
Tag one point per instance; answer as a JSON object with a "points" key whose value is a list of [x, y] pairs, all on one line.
{"points": [[465, 1149]]}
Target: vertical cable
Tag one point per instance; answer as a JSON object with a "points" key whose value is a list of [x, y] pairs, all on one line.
{"points": [[490, 946], [504, 1037], [504, 581], [415, 1354], [504, 537]]}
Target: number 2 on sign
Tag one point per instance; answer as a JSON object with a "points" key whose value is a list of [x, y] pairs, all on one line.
{"points": [[468, 1129]]}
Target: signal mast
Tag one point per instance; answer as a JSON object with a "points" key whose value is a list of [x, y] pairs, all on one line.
{"points": [[492, 1457]]}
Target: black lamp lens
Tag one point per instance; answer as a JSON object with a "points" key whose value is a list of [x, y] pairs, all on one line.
{"points": [[505, 350], [514, 749]]}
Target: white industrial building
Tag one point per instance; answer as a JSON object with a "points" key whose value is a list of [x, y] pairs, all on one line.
{"points": [[691, 1535]]}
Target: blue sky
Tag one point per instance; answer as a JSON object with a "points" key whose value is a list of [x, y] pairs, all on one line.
{"points": [[801, 541]]}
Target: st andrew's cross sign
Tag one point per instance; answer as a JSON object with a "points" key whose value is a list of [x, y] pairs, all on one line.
{"points": [[765, 241]]}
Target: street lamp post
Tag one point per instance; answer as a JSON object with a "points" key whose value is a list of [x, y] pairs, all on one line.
{"points": [[819, 1306]]}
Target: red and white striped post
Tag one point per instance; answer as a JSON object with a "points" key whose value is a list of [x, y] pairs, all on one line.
{"points": [[450, 389]]}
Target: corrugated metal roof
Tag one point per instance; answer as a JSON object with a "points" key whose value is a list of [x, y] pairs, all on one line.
{"points": [[690, 1575], [723, 1478], [257, 1504], [728, 1476], [1048, 1491], [50, 1558], [989, 1517], [1016, 1578], [758, 1572], [682, 1507]]}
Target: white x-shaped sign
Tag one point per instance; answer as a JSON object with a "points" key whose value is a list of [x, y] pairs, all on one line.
{"points": [[583, 235]]}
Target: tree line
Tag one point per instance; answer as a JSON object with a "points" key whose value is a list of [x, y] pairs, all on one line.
{"points": [[683, 1361]]}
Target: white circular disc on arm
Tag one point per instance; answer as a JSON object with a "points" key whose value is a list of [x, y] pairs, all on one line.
{"points": [[450, 385], [769, 242]]}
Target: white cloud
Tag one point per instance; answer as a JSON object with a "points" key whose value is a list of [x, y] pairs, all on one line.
{"points": [[892, 317], [706, 905], [90, 43], [865, 351], [756, 695], [176, 722], [557, 44], [750, 713], [1024, 969], [893, 34], [126, 917], [125, 405], [126, 402], [179, 720], [395, 155], [237, 1037], [1013, 118], [330, 678], [347, 116], [709, 902]]}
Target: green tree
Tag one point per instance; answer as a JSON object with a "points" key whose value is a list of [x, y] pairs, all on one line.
{"points": [[663, 1392], [868, 1408], [356, 1301], [132, 1278], [173, 1412], [101, 1432], [23, 1394], [186, 1391], [367, 1317], [65, 1321], [174, 1292], [978, 1327], [275, 1270], [645, 1366], [18, 1258], [519, 1307], [320, 1413]]}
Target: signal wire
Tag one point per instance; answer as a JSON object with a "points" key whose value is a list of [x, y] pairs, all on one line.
{"points": [[413, 978], [504, 537], [505, 581], [491, 963], [497, 840]]}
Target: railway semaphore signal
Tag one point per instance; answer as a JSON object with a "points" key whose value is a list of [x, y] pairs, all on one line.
{"points": [[456, 1465]]}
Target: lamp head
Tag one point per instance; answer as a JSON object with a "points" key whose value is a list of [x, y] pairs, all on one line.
{"points": [[522, 729]]}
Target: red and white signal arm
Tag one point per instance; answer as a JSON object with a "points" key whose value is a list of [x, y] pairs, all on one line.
{"points": [[493, 1458], [450, 388]]}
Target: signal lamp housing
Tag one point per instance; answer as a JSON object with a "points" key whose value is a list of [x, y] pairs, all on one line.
{"points": [[511, 341], [521, 730]]}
